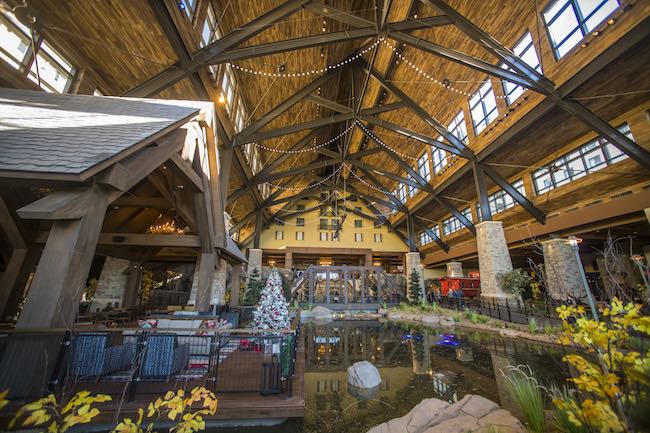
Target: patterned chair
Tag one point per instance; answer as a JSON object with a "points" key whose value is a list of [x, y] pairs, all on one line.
{"points": [[231, 317], [163, 356], [93, 356]]}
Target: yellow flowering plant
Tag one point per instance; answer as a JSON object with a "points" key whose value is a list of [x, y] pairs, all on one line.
{"points": [[187, 410], [57, 416], [615, 379]]}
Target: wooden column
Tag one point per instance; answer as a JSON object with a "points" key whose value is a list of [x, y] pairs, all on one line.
{"points": [[328, 275], [134, 278], [363, 286], [311, 277], [204, 287], [17, 258], [235, 285], [481, 192], [345, 286], [60, 277]]}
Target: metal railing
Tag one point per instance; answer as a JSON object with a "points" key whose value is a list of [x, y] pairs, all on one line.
{"points": [[144, 361], [509, 310]]}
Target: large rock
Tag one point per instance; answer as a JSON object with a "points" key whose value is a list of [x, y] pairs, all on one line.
{"points": [[363, 374], [321, 313], [471, 414]]}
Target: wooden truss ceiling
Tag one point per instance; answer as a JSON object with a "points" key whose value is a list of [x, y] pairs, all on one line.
{"points": [[418, 108]]}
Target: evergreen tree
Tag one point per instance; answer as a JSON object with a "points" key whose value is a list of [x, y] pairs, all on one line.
{"points": [[272, 310], [416, 288], [253, 288]]}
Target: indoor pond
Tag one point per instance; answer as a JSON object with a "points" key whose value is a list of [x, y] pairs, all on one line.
{"points": [[414, 362]]}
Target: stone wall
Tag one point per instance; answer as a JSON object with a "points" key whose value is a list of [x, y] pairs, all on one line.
{"points": [[493, 257], [254, 260], [563, 279], [455, 270], [111, 283]]}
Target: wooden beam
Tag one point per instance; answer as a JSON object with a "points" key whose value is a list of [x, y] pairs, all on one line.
{"points": [[144, 202], [187, 172], [136, 240]]}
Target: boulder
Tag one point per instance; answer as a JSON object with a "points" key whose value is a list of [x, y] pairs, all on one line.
{"points": [[321, 313], [363, 374], [382, 311], [305, 315], [430, 319], [447, 321], [471, 414]]}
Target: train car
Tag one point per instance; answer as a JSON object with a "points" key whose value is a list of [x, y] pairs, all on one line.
{"points": [[453, 286]]}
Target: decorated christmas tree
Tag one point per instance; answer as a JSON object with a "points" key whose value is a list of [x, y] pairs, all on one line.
{"points": [[415, 287], [272, 312]]}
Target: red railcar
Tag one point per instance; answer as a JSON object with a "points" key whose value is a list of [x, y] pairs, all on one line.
{"points": [[471, 287]]}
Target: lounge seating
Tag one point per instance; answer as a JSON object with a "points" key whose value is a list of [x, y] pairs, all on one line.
{"points": [[92, 355], [163, 356]]}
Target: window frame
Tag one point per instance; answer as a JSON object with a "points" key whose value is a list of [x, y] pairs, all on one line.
{"points": [[580, 18], [578, 154], [424, 168], [488, 116], [456, 124], [517, 89]]}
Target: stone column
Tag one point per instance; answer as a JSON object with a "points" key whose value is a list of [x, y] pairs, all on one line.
{"points": [[254, 260], [455, 270], [235, 285], [413, 263], [288, 260], [493, 257], [563, 279], [219, 283], [368, 259], [111, 284]]}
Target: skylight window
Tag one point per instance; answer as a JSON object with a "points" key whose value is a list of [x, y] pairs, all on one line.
{"points": [[591, 157], [525, 49], [187, 6], [14, 40], [55, 73], [210, 31], [439, 158], [453, 224], [569, 21], [483, 107], [458, 127], [423, 166]]}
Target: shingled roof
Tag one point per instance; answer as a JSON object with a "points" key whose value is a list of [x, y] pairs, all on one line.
{"points": [[73, 136]]}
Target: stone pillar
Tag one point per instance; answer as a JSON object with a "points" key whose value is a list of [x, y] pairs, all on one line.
{"points": [[413, 263], [288, 260], [235, 285], [563, 279], [455, 270], [219, 283], [493, 257], [368, 259], [111, 284], [254, 260]]}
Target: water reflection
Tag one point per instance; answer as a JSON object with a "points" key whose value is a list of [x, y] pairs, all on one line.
{"points": [[415, 363]]}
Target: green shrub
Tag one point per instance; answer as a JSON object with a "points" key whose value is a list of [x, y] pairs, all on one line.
{"points": [[514, 282], [456, 316], [548, 329], [532, 325], [415, 288], [527, 395], [253, 288], [482, 319]]}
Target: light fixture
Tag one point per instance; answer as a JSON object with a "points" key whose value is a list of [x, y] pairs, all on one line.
{"points": [[574, 241], [222, 99]]}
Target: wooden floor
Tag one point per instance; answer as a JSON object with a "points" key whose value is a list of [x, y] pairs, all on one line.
{"points": [[231, 405]]}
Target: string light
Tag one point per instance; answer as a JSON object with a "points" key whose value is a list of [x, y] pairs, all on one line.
{"points": [[320, 182], [444, 83], [312, 72], [366, 183], [318, 205], [403, 155], [308, 149]]}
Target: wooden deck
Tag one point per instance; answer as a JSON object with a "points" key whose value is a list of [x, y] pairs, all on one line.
{"points": [[231, 405]]}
